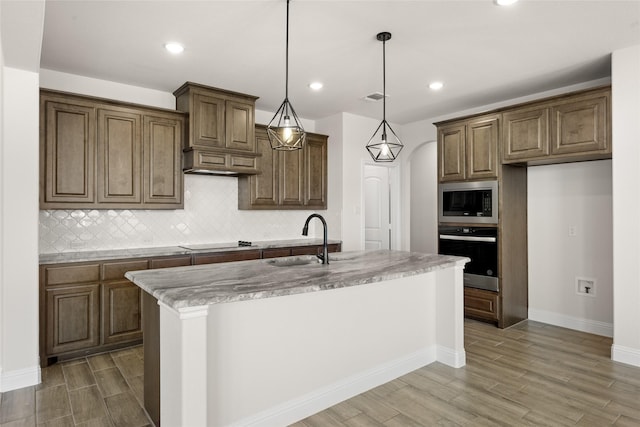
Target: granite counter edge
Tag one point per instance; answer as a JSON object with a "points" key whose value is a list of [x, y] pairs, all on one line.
{"points": [[448, 261], [150, 252]]}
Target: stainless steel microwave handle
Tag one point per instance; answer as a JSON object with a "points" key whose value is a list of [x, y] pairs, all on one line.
{"points": [[468, 238]]}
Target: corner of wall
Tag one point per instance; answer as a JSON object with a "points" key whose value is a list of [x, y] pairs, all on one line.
{"points": [[625, 69]]}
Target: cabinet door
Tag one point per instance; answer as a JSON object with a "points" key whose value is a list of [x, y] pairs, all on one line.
{"points": [[239, 124], [291, 174], [451, 148], [162, 174], [315, 172], [207, 121], [120, 156], [67, 153], [580, 126], [482, 149], [525, 134], [73, 318], [121, 312], [263, 188]]}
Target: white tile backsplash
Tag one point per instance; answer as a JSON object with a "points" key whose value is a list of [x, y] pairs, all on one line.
{"points": [[210, 215]]}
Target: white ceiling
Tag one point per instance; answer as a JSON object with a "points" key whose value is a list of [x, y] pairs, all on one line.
{"points": [[482, 52]]}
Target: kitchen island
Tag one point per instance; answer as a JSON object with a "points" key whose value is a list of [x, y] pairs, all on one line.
{"points": [[269, 342]]}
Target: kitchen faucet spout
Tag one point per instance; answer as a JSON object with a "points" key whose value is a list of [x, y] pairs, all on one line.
{"points": [[325, 247]]}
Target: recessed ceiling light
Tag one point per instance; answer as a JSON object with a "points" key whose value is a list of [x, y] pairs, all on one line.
{"points": [[174, 47], [436, 85], [315, 85], [505, 2]]}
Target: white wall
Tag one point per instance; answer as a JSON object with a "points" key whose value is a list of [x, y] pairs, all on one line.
{"points": [[353, 133], [423, 186], [21, 23], [424, 199], [332, 126], [19, 277], [626, 204], [574, 196], [2, 239]]}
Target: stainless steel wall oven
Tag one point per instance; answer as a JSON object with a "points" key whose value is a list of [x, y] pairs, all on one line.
{"points": [[480, 244]]}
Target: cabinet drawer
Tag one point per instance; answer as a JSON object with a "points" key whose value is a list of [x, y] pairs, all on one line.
{"points": [[226, 257], [177, 261], [306, 250], [481, 304], [238, 162], [116, 270], [59, 275], [274, 253]]}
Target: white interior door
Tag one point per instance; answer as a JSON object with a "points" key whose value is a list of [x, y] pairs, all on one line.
{"points": [[377, 217]]}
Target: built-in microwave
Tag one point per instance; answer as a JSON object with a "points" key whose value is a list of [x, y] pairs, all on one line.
{"points": [[468, 202]]}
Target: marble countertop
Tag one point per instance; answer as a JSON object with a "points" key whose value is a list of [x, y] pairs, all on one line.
{"points": [[183, 287], [187, 249]]}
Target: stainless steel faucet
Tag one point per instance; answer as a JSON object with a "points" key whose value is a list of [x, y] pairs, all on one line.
{"points": [[325, 248]]}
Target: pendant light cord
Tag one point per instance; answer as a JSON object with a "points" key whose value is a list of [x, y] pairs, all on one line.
{"points": [[384, 81], [286, 73]]}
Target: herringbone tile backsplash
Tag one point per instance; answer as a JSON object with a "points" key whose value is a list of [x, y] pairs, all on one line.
{"points": [[210, 215]]}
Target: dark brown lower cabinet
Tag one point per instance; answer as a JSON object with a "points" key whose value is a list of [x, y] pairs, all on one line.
{"points": [[314, 250], [79, 317], [90, 307], [73, 318], [121, 311], [276, 252], [481, 304], [151, 320]]}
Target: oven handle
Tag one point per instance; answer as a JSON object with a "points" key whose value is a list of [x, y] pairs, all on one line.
{"points": [[468, 238]]}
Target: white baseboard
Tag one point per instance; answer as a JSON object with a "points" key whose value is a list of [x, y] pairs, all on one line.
{"points": [[628, 355], [316, 401], [19, 378], [569, 322], [455, 359]]}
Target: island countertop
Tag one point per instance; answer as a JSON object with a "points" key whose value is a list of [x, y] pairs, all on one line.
{"points": [[192, 286]]}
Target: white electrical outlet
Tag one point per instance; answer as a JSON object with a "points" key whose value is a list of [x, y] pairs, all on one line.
{"points": [[572, 231], [586, 286]]}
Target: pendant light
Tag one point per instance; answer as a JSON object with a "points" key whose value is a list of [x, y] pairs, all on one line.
{"points": [[384, 145], [285, 131]]}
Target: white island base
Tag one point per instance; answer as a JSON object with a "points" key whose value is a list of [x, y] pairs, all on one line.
{"points": [[274, 361]]}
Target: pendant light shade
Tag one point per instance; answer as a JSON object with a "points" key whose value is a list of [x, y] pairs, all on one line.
{"points": [[285, 131], [384, 145]]}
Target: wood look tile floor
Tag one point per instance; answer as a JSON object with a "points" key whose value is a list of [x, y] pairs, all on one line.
{"points": [[101, 390], [531, 374]]}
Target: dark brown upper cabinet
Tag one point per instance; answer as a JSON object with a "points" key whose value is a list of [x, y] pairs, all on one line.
{"points": [[468, 149], [101, 154], [288, 179], [568, 128]]}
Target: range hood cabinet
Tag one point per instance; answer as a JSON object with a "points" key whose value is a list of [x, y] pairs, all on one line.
{"points": [[214, 162], [220, 133]]}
